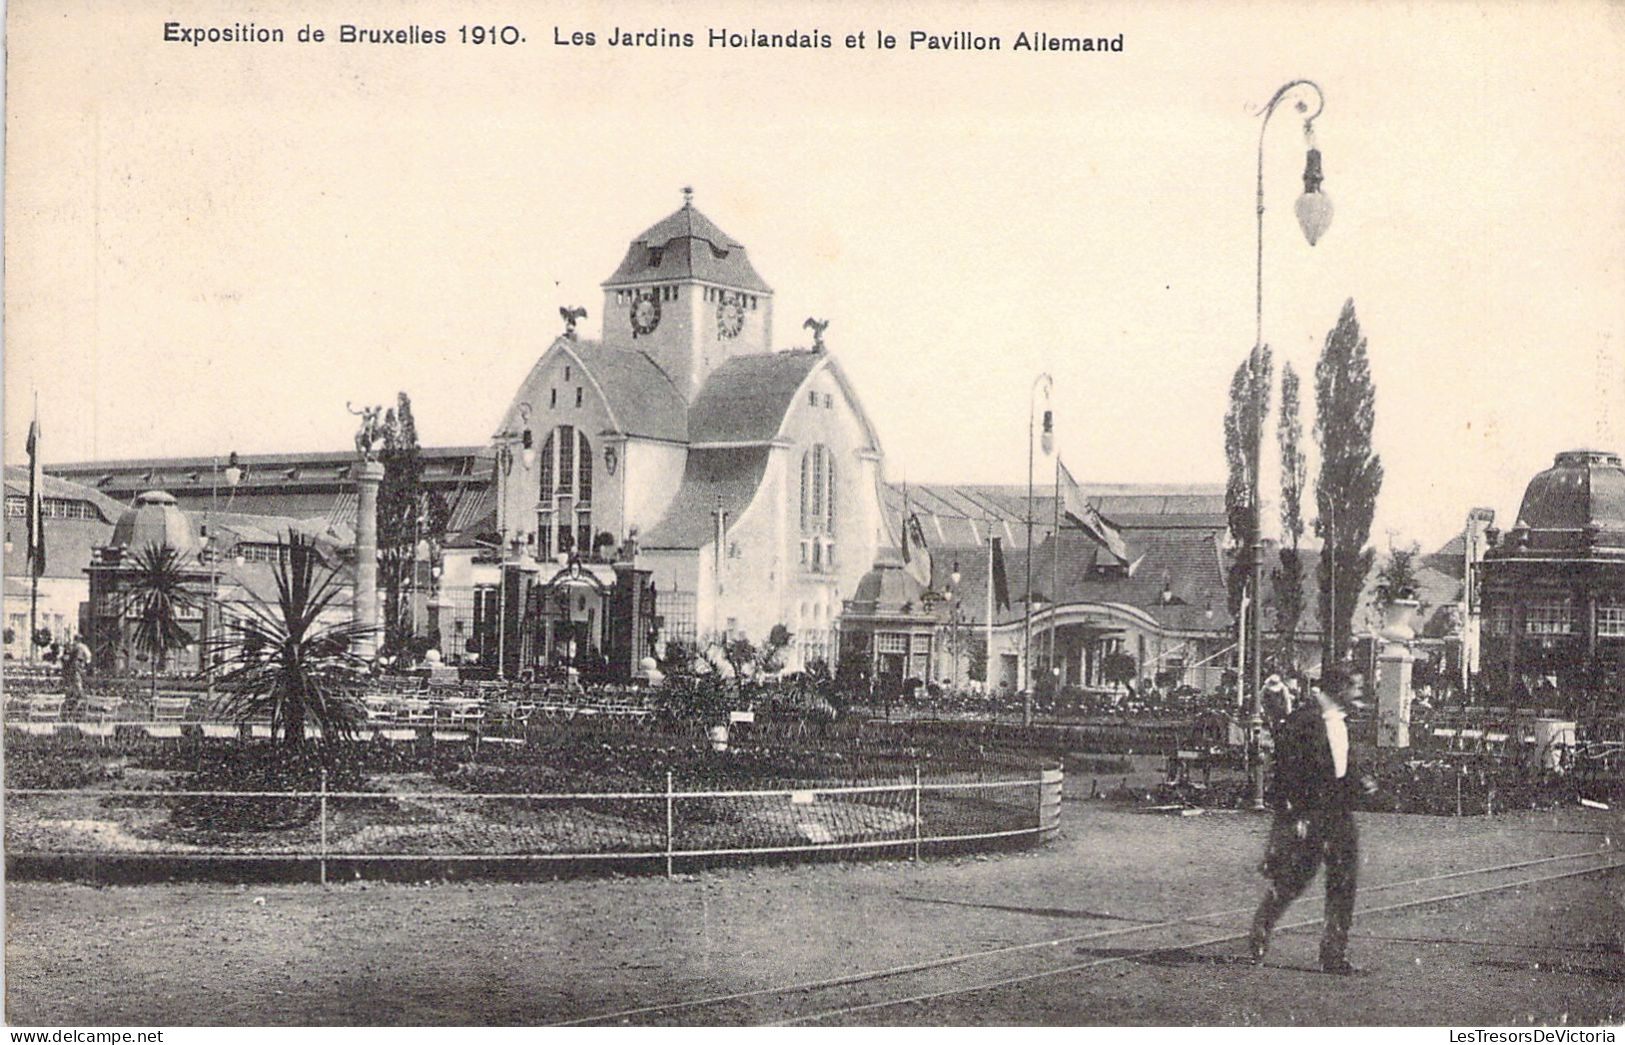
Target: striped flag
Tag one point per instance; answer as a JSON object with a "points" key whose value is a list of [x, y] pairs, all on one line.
{"points": [[36, 502]]}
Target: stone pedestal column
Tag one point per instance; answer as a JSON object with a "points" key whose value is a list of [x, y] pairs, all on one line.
{"points": [[1394, 677], [365, 612]]}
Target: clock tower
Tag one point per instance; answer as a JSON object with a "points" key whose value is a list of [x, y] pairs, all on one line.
{"points": [[687, 296]]}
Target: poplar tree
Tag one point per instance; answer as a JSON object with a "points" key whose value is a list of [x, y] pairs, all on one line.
{"points": [[407, 513], [1287, 577], [1243, 423], [1350, 477]]}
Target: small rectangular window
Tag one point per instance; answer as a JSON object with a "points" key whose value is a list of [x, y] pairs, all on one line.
{"points": [[553, 399], [578, 395], [1611, 620], [812, 398], [829, 401]]}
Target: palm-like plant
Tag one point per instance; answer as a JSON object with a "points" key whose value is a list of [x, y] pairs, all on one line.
{"points": [[155, 594], [285, 662]]}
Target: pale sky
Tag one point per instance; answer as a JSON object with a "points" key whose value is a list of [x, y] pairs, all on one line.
{"points": [[212, 249]]}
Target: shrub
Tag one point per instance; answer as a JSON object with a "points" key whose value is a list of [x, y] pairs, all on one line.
{"points": [[263, 767]]}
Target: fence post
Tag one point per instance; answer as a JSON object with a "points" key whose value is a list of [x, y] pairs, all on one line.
{"points": [[1459, 772], [916, 812], [324, 827], [670, 822]]}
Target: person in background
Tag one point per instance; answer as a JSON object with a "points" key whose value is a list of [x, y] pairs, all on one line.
{"points": [[1277, 703], [1315, 788], [75, 660]]}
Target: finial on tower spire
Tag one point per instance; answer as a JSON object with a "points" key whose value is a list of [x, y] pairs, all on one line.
{"points": [[688, 195]]}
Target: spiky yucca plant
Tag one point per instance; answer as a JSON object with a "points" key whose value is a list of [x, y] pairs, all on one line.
{"points": [[154, 595], [285, 662]]}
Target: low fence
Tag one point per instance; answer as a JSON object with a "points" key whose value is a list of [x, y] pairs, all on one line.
{"points": [[676, 826]]}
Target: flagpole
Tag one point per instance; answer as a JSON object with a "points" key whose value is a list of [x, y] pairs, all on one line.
{"points": [[36, 532], [1046, 382], [1055, 578], [987, 640]]}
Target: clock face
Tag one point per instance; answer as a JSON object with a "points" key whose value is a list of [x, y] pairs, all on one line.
{"points": [[730, 318], [645, 314]]}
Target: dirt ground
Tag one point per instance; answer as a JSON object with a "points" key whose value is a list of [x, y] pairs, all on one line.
{"points": [[553, 951]]}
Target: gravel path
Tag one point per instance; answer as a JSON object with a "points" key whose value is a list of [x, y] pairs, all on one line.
{"points": [[505, 953]]}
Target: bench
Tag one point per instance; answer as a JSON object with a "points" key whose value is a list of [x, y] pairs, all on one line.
{"points": [[171, 709], [46, 707]]}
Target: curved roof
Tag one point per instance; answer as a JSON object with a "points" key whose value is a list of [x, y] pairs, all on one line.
{"points": [[687, 245], [887, 588], [63, 489], [639, 397], [154, 521], [1582, 489], [726, 477], [745, 399]]}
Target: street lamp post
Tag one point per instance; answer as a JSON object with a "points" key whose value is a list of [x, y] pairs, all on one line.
{"points": [[1047, 383], [1314, 212], [953, 621]]}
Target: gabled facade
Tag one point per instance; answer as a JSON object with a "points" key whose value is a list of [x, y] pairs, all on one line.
{"points": [[745, 481]]}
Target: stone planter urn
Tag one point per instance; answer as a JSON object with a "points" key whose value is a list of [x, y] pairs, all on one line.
{"points": [[1394, 674], [1399, 620]]}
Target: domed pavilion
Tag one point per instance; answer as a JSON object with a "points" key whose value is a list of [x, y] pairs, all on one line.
{"points": [[154, 522], [1553, 590]]}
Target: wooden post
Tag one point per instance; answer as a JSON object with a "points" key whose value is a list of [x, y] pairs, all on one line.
{"points": [[917, 812], [324, 827], [670, 822]]}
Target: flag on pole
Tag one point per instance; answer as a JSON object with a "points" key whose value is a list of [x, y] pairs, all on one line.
{"points": [[903, 524], [1001, 582], [36, 501]]}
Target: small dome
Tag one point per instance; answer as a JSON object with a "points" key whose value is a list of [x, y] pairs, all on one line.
{"points": [[1583, 489], [155, 520], [888, 587]]}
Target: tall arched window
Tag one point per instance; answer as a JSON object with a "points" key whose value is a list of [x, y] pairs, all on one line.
{"points": [[564, 502], [806, 482], [817, 506]]}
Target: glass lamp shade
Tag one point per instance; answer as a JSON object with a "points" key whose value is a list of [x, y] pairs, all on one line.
{"points": [[1314, 211]]}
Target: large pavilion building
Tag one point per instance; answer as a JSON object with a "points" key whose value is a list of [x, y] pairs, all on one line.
{"points": [[682, 479], [1552, 588]]}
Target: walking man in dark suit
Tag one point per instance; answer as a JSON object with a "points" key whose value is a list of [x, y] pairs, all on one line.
{"points": [[1314, 793]]}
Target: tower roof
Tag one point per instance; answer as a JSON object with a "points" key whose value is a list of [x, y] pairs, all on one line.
{"points": [[687, 245], [155, 520], [1583, 489]]}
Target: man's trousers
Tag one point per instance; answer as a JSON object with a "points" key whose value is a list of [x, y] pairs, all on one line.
{"points": [[1290, 863]]}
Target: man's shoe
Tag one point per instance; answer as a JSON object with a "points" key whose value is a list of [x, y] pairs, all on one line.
{"points": [[1257, 947], [1337, 967]]}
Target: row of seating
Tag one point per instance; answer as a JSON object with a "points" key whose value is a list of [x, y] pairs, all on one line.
{"points": [[381, 711], [1489, 741], [223, 731]]}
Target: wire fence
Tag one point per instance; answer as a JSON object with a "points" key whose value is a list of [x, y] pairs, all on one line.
{"points": [[401, 824]]}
